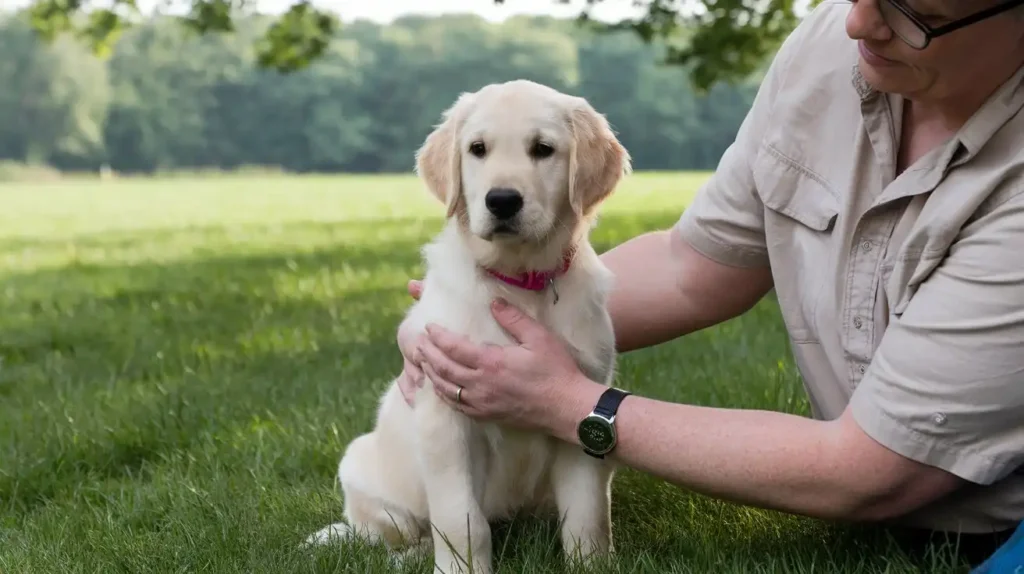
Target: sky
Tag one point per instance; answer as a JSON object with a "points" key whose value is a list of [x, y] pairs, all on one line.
{"points": [[383, 11]]}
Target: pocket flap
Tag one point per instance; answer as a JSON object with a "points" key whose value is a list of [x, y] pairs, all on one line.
{"points": [[794, 191]]}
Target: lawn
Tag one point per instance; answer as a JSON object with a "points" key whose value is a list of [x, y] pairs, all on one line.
{"points": [[183, 361]]}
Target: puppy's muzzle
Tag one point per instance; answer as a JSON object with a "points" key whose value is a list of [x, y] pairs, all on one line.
{"points": [[504, 203]]}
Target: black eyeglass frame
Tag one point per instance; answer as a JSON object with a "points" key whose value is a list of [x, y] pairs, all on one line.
{"points": [[931, 33]]}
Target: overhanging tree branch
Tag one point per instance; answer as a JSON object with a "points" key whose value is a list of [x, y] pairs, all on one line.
{"points": [[716, 40]]}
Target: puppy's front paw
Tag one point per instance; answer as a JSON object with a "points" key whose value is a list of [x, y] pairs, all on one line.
{"points": [[584, 547], [331, 534]]}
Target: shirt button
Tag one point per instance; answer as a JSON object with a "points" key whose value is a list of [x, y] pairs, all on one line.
{"points": [[939, 419], [858, 322], [861, 369], [866, 246]]}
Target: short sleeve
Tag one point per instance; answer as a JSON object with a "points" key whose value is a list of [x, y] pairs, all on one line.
{"points": [[725, 221], [946, 385]]}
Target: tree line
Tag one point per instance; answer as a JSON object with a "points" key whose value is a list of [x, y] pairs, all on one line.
{"points": [[168, 99]]}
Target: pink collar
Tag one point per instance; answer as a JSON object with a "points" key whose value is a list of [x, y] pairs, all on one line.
{"points": [[534, 280]]}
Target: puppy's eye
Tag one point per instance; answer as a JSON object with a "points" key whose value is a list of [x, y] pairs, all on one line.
{"points": [[478, 149], [541, 150]]}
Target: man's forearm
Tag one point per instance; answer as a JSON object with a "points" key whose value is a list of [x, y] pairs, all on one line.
{"points": [[664, 289], [759, 458]]}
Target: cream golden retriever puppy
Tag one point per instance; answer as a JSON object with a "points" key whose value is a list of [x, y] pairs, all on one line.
{"points": [[521, 168]]}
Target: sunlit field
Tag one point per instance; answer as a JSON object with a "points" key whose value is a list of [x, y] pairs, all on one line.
{"points": [[182, 362]]}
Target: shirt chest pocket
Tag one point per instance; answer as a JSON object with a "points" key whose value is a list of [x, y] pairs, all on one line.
{"points": [[800, 213]]}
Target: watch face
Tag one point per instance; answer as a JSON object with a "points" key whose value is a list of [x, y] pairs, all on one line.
{"points": [[596, 434]]}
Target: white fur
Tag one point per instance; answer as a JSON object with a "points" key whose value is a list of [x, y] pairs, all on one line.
{"points": [[429, 474]]}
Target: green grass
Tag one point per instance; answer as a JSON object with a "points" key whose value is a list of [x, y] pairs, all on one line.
{"points": [[184, 360]]}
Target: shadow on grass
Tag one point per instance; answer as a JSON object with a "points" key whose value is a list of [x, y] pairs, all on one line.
{"points": [[243, 373]]}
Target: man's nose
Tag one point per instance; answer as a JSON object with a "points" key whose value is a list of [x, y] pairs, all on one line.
{"points": [[865, 22]]}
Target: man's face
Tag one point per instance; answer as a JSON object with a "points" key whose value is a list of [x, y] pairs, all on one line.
{"points": [[951, 65]]}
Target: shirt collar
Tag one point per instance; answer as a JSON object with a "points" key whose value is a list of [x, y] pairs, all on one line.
{"points": [[1002, 105]]}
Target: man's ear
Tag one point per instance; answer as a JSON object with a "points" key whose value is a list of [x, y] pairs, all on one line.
{"points": [[438, 161], [597, 161]]}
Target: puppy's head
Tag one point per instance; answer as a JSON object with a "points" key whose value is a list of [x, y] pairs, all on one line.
{"points": [[521, 163]]}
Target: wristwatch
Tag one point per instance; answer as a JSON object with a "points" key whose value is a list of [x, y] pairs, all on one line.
{"points": [[596, 432]]}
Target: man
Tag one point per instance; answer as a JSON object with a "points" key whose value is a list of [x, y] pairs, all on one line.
{"points": [[877, 184]]}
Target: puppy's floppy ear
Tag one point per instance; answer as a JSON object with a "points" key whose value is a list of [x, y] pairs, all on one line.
{"points": [[597, 161], [439, 159]]}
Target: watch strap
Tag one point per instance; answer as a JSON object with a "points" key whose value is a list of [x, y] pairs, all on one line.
{"points": [[608, 403]]}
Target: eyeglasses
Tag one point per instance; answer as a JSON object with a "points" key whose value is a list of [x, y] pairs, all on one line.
{"points": [[909, 27]]}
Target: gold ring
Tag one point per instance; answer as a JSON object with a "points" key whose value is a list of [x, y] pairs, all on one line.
{"points": [[458, 395]]}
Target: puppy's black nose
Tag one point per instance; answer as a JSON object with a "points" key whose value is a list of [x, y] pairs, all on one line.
{"points": [[503, 202]]}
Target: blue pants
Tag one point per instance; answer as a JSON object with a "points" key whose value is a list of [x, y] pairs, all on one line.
{"points": [[1008, 559]]}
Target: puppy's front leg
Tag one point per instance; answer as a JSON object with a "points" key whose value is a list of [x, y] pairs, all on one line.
{"points": [[582, 488], [460, 530]]}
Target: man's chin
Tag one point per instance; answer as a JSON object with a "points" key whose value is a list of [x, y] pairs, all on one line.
{"points": [[883, 80]]}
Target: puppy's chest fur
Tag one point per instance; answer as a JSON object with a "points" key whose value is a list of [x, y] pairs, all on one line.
{"points": [[458, 294], [510, 467], [517, 473]]}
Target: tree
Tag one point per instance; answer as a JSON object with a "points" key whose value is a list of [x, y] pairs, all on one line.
{"points": [[716, 40], [168, 100], [53, 103]]}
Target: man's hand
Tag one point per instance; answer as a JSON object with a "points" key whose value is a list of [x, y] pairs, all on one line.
{"points": [[411, 378], [516, 384], [415, 288]]}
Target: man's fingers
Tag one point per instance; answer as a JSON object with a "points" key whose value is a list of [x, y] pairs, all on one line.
{"points": [[444, 389], [457, 347], [415, 355], [415, 288], [444, 365], [523, 328], [410, 381]]}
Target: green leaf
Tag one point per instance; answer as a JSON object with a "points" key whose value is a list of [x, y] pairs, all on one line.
{"points": [[296, 39], [209, 16], [102, 31], [52, 17]]}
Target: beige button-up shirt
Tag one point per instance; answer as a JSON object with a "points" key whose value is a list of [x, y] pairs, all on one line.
{"points": [[903, 296]]}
